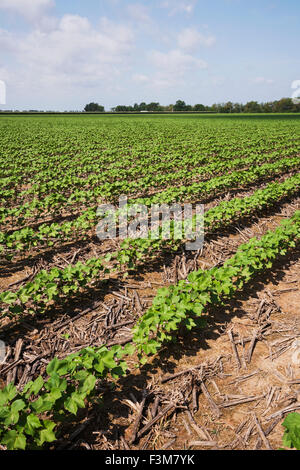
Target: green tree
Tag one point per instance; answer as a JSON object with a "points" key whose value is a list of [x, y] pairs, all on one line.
{"points": [[284, 105], [94, 107], [121, 108], [179, 106], [199, 107], [154, 107], [168, 108], [252, 107], [237, 108]]}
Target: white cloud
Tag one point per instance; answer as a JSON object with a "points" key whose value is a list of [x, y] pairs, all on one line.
{"points": [[263, 80], [169, 70], [140, 78], [74, 53], [175, 61], [74, 24], [139, 13], [178, 6], [4, 74], [6, 41], [190, 39], [71, 56], [31, 10], [173, 68]]}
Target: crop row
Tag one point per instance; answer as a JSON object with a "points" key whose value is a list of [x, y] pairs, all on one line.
{"points": [[214, 186], [25, 415], [25, 239], [131, 184], [32, 152], [58, 284], [57, 202], [99, 184]]}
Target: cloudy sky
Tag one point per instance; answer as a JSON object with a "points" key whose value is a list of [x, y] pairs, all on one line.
{"points": [[62, 54]]}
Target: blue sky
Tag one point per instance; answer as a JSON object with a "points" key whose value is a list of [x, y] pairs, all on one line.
{"points": [[62, 54]]}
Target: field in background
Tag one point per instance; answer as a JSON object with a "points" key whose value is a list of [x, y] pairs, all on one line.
{"points": [[201, 381]]}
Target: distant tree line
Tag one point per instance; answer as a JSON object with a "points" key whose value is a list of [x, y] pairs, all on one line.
{"points": [[284, 105], [139, 108]]}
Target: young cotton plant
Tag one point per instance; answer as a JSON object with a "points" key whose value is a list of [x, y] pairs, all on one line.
{"points": [[184, 303], [53, 285], [24, 416], [291, 437]]}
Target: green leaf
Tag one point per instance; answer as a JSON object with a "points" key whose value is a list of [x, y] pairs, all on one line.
{"points": [[41, 405], [8, 297], [18, 405], [34, 387], [291, 436], [88, 384], [32, 423], [47, 434], [14, 440], [7, 394]]}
